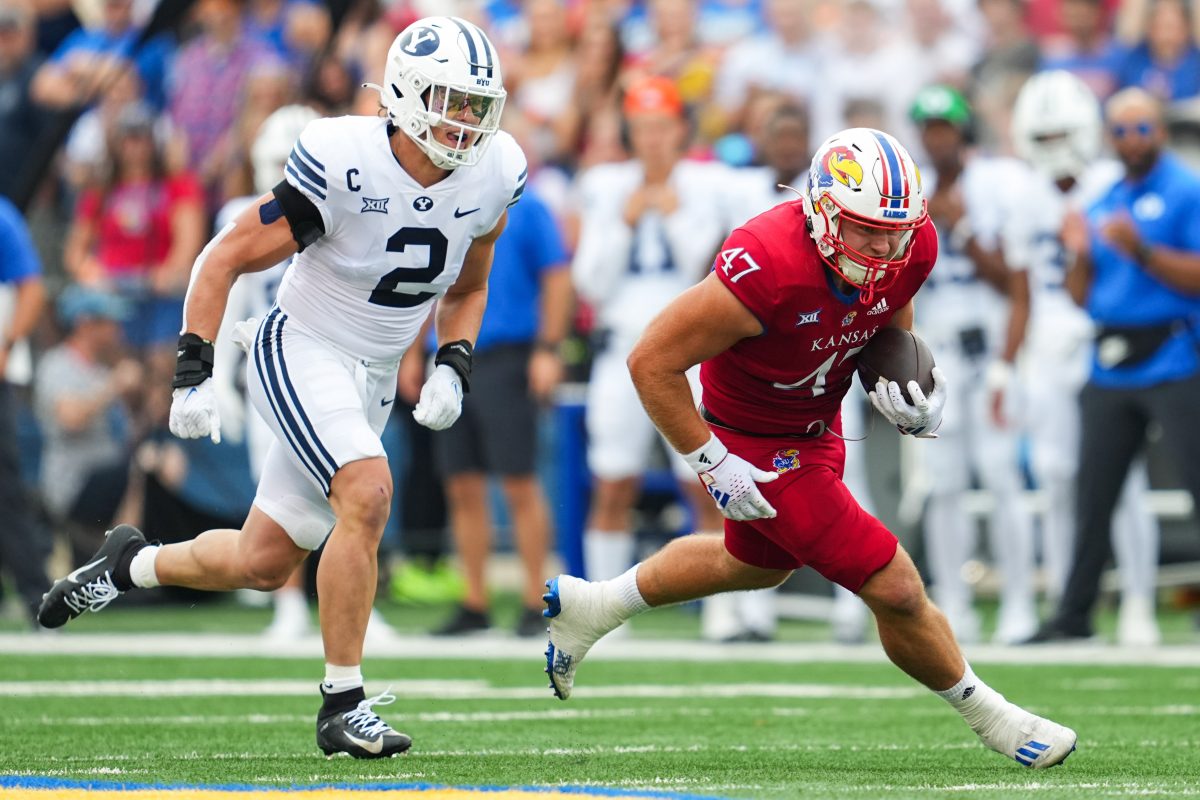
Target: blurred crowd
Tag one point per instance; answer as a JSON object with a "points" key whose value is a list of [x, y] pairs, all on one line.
{"points": [[120, 151]]}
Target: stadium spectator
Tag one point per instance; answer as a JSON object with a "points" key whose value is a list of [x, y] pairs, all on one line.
{"points": [[88, 59], [596, 94], [206, 89], [23, 547], [527, 318], [544, 77], [972, 312], [21, 120], [1086, 46], [775, 329], [1163, 57], [1057, 128], [1137, 272], [676, 52], [138, 232], [783, 59], [649, 229], [1009, 56], [82, 396]]}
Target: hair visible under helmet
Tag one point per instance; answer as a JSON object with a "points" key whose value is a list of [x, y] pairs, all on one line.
{"points": [[866, 176], [438, 69]]}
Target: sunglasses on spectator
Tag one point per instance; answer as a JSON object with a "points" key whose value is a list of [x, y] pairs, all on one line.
{"points": [[1122, 131]]}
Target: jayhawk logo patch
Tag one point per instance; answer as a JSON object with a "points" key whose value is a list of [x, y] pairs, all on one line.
{"points": [[785, 460], [838, 164]]}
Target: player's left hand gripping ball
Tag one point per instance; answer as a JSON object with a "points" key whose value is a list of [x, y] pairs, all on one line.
{"points": [[920, 418], [441, 399], [194, 412]]}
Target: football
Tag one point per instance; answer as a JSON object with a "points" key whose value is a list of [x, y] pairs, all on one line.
{"points": [[896, 355]]}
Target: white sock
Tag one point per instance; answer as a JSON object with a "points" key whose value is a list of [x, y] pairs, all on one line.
{"points": [[141, 568], [606, 554], [342, 679], [625, 589], [972, 698], [290, 603]]}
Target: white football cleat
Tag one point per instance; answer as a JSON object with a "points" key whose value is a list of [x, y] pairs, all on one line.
{"points": [[1029, 739], [580, 614]]}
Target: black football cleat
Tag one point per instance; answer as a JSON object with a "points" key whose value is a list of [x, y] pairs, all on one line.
{"points": [[360, 732], [90, 587]]}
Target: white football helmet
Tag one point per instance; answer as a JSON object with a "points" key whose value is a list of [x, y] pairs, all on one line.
{"points": [[863, 175], [276, 137], [1057, 124], [444, 71]]}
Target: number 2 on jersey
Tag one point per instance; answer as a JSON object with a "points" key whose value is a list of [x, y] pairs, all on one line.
{"points": [[817, 377], [386, 292]]}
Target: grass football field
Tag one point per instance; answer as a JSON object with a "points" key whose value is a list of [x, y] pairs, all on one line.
{"points": [[656, 716]]}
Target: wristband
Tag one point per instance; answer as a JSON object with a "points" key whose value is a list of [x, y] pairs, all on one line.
{"points": [[998, 375], [458, 356], [707, 456], [194, 362], [543, 346]]}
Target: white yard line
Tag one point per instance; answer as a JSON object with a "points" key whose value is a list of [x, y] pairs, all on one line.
{"points": [[439, 690], [226, 645]]}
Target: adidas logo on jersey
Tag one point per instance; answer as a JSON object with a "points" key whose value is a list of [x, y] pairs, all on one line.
{"points": [[879, 307]]}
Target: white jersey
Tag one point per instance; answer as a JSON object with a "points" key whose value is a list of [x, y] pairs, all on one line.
{"points": [[391, 246], [954, 300], [630, 274], [1035, 242]]}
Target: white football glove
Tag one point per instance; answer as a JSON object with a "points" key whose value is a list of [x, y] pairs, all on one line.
{"points": [[922, 417], [732, 481], [194, 412], [441, 399]]}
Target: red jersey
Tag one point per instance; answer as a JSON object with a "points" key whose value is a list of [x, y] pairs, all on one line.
{"points": [[133, 223], [799, 369]]}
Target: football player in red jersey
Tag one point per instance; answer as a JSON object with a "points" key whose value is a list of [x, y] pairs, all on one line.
{"points": [[795, 294]]}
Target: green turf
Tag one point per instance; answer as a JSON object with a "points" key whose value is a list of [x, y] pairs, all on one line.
{"points": [[1138, 733]]}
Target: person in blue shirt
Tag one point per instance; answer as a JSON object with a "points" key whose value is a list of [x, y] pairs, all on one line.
{"points": [[85, 61], [517, 368], [23, 548], [1137, 272]]}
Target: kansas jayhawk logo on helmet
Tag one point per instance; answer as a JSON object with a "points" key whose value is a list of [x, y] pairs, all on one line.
{"points": [[840, 165]]}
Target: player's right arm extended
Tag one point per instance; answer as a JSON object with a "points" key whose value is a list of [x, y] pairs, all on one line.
{"points": [[702, 322]]}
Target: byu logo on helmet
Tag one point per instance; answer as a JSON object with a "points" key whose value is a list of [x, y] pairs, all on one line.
{"points": [[420, 41], [443, 88]]}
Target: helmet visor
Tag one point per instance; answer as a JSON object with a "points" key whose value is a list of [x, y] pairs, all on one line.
{"points": [[471, 111]]}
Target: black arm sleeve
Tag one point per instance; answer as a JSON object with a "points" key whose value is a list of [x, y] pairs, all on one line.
{"points": [[303, 217]]}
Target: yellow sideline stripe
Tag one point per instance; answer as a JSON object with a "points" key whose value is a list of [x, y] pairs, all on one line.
{"points": [[314, 794]]}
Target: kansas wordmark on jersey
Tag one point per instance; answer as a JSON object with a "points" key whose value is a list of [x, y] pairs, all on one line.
{"points": [[391, 246]]}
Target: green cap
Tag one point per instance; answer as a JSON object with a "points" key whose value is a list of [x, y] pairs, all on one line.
{"points": [[941, 103]]}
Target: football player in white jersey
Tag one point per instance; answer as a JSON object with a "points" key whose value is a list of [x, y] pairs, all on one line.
{"points": [[649, 230], [384, 215], [972, 312], [1057, 128], [251, 299]]}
